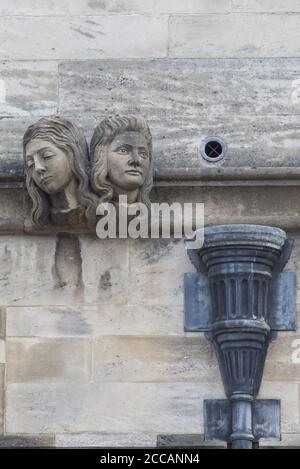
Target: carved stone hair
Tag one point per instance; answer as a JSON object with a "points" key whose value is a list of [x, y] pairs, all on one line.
{"points": [[69, 138], [103, 135]]}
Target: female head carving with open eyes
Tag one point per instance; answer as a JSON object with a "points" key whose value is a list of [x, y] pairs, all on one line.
{"points": [[121, 155], [56, 164]]}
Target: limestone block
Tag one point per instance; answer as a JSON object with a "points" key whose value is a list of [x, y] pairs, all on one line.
{"points": [[11, 150], [28, 89], [127, 407], [104, 440], [216, 87], [28, 441], [83, 37], [252, 104], [241, 204], [2, 322], [34, 7], [239, 35], [62, 270], [283, 359], [154, 359], [105, 266], [149, 7], [2, 351], [12, 209], [94, 321], [30, 259], [156, 271], [32, 360], [289, 395], [270, 6], [86, 7]]}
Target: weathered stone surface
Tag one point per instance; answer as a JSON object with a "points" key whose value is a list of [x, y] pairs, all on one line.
{"points": [[251, 104], [89, 7], [32, 441], [154, 359], [34, 8], [12, 210], [26, 258], [11, 151], [2, 397], [255, 113], [283, 359], [128, 407], [82, 37], [265, 6], [196, 36], [2, 322], [105, 268], [95, 321], [156, 271], [48, 360], [217, 87], [30, 88], [95, 272], [2, 351], [289, 395], [103, 440], [244, 204], [171, 441]]}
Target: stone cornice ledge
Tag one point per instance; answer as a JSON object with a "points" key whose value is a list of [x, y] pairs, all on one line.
{"points": [[261, 196], [225, 176]]}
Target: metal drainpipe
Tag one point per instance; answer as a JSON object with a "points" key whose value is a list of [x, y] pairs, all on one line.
{"points": [[239, 273]]}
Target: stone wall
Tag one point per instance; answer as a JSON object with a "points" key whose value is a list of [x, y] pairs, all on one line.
{"points": [[92, 346]]}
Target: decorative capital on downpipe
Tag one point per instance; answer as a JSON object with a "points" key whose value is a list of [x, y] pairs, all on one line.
{"points": [[240, 297]]}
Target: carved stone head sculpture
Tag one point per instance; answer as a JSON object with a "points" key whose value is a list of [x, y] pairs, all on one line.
{"points": [[121, 156], [56, 164]]}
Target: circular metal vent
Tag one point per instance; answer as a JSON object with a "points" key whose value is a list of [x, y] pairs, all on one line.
{"points": [[213, 149]]}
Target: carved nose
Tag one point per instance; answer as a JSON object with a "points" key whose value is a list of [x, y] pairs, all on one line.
{"points": [[38, 166], [134, 162]]}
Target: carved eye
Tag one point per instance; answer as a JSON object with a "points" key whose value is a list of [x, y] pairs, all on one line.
{"points": [[48, 155], [143, 153], [123, 150]]}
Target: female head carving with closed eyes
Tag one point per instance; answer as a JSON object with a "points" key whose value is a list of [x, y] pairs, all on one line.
{"points": [[56, 164]]}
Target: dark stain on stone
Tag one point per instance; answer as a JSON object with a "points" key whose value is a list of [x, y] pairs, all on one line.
{"points": [[158, 248], [71, 322], [28, 441], [105, 280], [67, 269], [84, 33], [97, 4], [6, 262]]}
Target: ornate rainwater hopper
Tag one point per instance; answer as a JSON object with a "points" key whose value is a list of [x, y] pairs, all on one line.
{"points": [[240, 298]]}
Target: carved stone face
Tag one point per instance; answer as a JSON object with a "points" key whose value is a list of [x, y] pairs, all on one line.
{"points": [[128, 160], [49, 165]]}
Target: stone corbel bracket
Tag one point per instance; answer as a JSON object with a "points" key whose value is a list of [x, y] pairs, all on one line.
{"points": [[229, 270]]}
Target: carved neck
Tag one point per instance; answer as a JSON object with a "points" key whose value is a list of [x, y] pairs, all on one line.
{"points": [[131, 195], [66, 199]]}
